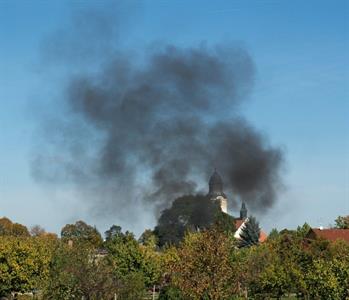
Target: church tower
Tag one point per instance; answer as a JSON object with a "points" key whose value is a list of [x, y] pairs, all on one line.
{"points": [[216, 193], [243, 211]]}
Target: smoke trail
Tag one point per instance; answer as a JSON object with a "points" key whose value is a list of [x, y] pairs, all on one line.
{"points": [[144, 129]]}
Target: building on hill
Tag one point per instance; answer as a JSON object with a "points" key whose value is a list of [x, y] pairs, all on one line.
{"points": [[216, 193], [332, 234], [240, 223]]}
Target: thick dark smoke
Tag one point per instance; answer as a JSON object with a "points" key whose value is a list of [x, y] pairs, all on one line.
{"points": [[148, 129]]}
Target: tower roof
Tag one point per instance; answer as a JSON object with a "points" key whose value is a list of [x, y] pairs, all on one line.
{"points": [[215, 179], [215, 185]]}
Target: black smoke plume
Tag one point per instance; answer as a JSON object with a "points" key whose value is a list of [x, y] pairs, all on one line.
{"points": [[147, 128]]}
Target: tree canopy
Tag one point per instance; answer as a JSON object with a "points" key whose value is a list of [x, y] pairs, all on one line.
{"points": [[202, 268], [206, 264], [187, 213], [7, 227], [24, 263], [82, 232], [342, 222]]}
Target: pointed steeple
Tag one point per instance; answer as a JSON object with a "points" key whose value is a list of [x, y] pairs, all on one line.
{"points": [[243, 211]]}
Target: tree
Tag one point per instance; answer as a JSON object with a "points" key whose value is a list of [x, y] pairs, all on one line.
{"points": [[274, 233], [340, 255], [224, 223], [290, 263], [113, 232], [78, 272], [250, 233], [342, 222], [148, 239], [81, 232], [322, 282], [12, 229], [127, 257], [327, 277], [132, 287], [202, 269], [5, 226], [187, 213], [24, 263], [275, 268], [302, 231], [37, 230], [19, 230], [170, 293]]}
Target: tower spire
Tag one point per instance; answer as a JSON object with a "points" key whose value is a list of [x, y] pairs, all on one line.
{"points": [[243, 211]]}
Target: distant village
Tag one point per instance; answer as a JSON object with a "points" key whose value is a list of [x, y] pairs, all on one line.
{"points": [[188, 255]]}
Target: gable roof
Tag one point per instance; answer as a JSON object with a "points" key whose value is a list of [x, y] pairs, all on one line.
{"points": [[238, 223], [329, 234]]}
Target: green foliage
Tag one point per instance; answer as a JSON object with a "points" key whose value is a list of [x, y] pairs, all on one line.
{"points": [[127, 257], [132, 287], [273, 269], [170, 293], [302, 231], [81, 232], [290, 264], [24, 263], [187, 213], [113, 232], [7, 228], [250, 233], [201, 269], [322, 282], [274, 234], [148, 239], [207, 264], [224, 223], [342, 222], [77, 271], [125, 254], [328, 277]]}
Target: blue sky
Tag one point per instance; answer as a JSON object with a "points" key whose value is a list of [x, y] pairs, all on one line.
{"points": [[300, 100]]}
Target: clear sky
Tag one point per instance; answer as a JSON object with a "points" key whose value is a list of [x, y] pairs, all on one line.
{"points": [[300, 100]]}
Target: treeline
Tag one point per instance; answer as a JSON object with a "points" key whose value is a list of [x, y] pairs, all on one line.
{"points": [[206, 264]]}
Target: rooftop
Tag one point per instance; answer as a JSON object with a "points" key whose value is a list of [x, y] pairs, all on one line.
{"points": [[330, 234]]}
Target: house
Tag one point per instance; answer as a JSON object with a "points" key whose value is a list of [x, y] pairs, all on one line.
{"points": [[240, 224], [331, 234]]}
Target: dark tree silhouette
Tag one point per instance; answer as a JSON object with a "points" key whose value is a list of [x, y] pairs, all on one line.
{"points": [[114, 231], [224, 223], [187, 213]]}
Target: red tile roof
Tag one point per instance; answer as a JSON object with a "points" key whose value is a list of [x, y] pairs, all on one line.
{"points": [[262, 237], [238, 223], [330, 234]]}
